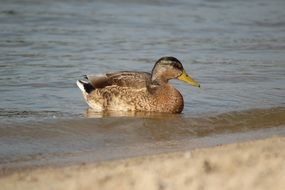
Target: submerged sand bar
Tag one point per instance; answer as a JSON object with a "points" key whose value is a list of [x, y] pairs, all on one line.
{"points": [[256, 164]]}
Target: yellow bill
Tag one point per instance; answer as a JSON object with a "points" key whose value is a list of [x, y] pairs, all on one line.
{"points": [[186, 78]]}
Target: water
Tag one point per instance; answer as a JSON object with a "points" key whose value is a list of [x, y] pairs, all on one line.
{"points": [[235, 49]]}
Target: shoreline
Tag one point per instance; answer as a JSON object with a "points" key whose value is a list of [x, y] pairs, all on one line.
{"points": [[257, 164]]}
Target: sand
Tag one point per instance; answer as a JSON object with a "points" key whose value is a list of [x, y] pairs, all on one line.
{"points": [[250, 165]]}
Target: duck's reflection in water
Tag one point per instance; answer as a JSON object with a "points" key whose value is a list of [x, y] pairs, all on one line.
{"points": [[146, 125]]}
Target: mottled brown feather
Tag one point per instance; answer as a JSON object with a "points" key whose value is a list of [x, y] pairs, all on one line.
{"points": [[123, 79]]}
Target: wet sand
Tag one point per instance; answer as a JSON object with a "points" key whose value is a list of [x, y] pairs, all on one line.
{"points": [[256, 164]]}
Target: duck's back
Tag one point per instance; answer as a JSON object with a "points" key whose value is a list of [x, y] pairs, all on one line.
{"points": [[123, 79]]}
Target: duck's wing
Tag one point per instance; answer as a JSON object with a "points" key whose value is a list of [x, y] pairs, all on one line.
{"points": [[123, 78]]}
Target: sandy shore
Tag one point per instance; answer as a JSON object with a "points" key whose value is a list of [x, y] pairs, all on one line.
{"points": [[250, 165]]}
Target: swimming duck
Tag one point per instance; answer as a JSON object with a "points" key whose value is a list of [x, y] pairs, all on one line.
{"points": [[137, 91]]}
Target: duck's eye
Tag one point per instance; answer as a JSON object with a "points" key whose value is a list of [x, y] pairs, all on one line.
{"points": [[177, 66]]}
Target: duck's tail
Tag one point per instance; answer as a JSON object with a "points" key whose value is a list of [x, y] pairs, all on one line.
{"points": [[85, 87]]}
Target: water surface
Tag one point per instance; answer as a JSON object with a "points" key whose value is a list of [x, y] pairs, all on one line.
{"points": [[235, 49]]}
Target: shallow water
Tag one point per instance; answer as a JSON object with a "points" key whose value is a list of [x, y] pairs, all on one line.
{"points": [[235, 49], [92, 140]]}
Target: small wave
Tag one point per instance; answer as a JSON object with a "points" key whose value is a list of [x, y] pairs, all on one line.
{"points": [[239, 121], [145, 125]]}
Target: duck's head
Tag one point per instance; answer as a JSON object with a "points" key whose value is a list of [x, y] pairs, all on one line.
{"points": [[167, 68]]}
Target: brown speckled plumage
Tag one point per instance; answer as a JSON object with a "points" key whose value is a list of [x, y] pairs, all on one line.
{"points": [[137, 91]]}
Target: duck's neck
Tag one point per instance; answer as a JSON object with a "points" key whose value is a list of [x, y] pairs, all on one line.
{"points": [[156, 85], [155, 80]]}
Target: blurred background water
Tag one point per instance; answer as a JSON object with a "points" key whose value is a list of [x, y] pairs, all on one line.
{"points": [[234, 48]]}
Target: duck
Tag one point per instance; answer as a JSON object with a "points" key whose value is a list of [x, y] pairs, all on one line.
{"points": [[137, 91]]}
